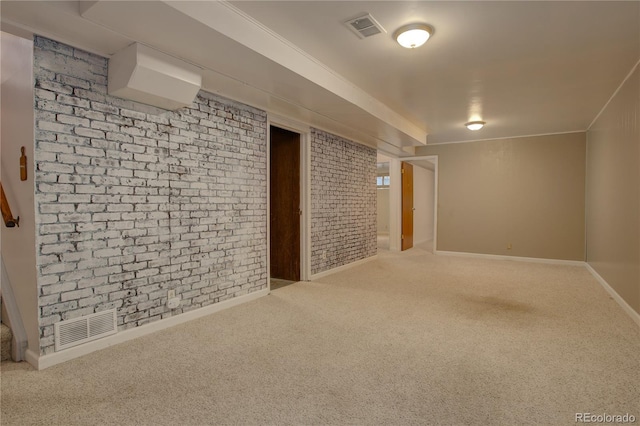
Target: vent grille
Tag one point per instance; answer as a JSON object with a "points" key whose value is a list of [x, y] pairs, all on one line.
{"points": [[84, 329], [365, 26]]}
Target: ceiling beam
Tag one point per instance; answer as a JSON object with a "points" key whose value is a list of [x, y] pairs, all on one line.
{"points": [[233, 23]]}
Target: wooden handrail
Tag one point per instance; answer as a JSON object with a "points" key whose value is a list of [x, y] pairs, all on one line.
{"points": [[9, 220]]}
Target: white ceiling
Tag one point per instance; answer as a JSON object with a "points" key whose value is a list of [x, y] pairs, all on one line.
{"points": [[525, 67]]}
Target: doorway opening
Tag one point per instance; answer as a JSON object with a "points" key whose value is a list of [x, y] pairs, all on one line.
{"points": [[420, 210], [285, 208], [420, 203], [383, 183]]}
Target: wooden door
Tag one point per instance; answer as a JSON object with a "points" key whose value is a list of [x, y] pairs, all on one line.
{"points": [[284, 214], [407, 205]]}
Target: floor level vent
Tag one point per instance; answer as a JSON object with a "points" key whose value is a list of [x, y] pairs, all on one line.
{"points": [[76, 331]]}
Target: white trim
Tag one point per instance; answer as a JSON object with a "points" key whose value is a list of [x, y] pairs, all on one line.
{"points": [[586, 195], [633, 69], [32, 358], [435, 204], [268, 169], [343, 267], [430, 157], [45, 361], [635, 316], [513, 258], [305, 181], [304, 131], [506, 137], [287, 123]]}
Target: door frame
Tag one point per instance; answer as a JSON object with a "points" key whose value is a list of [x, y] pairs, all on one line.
{"points": [[395, 199], [305, 191]]}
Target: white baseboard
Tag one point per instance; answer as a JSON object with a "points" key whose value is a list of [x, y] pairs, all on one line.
{"points": [[635, 316], [31, 357], [44, 361], [343, 267], [513, 258]]}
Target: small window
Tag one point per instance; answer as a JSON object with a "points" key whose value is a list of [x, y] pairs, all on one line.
{"points": [[382, 181]]}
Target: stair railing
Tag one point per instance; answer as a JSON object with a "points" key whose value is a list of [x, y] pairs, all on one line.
{"points": [[7, 216]]}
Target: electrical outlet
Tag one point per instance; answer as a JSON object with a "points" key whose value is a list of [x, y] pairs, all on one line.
{"points": [[324, 254], [173, 301]]}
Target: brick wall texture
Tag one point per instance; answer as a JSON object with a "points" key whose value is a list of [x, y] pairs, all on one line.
{"points": [[343, 201], [132, 201]]}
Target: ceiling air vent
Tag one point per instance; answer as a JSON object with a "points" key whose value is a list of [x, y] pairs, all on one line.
{"points": [[365, 26]]}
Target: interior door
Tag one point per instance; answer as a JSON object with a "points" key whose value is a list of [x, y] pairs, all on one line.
{"points": [[407, 206], [284, 215]]}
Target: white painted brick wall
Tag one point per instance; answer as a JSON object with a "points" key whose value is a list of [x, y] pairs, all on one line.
{"points": [[343, 201], [132, 201]]}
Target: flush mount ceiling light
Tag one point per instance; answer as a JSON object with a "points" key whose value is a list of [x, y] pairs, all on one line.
{"points": [[413, 35], [475, 125]]}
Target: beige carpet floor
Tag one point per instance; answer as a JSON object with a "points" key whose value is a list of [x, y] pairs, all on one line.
{"points": [[277, 283], [410, 338]]}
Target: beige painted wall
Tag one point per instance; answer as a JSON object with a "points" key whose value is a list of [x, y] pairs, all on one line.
{"points": [[19, 244], [383, 210], [613, 193], [528, 192]]}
